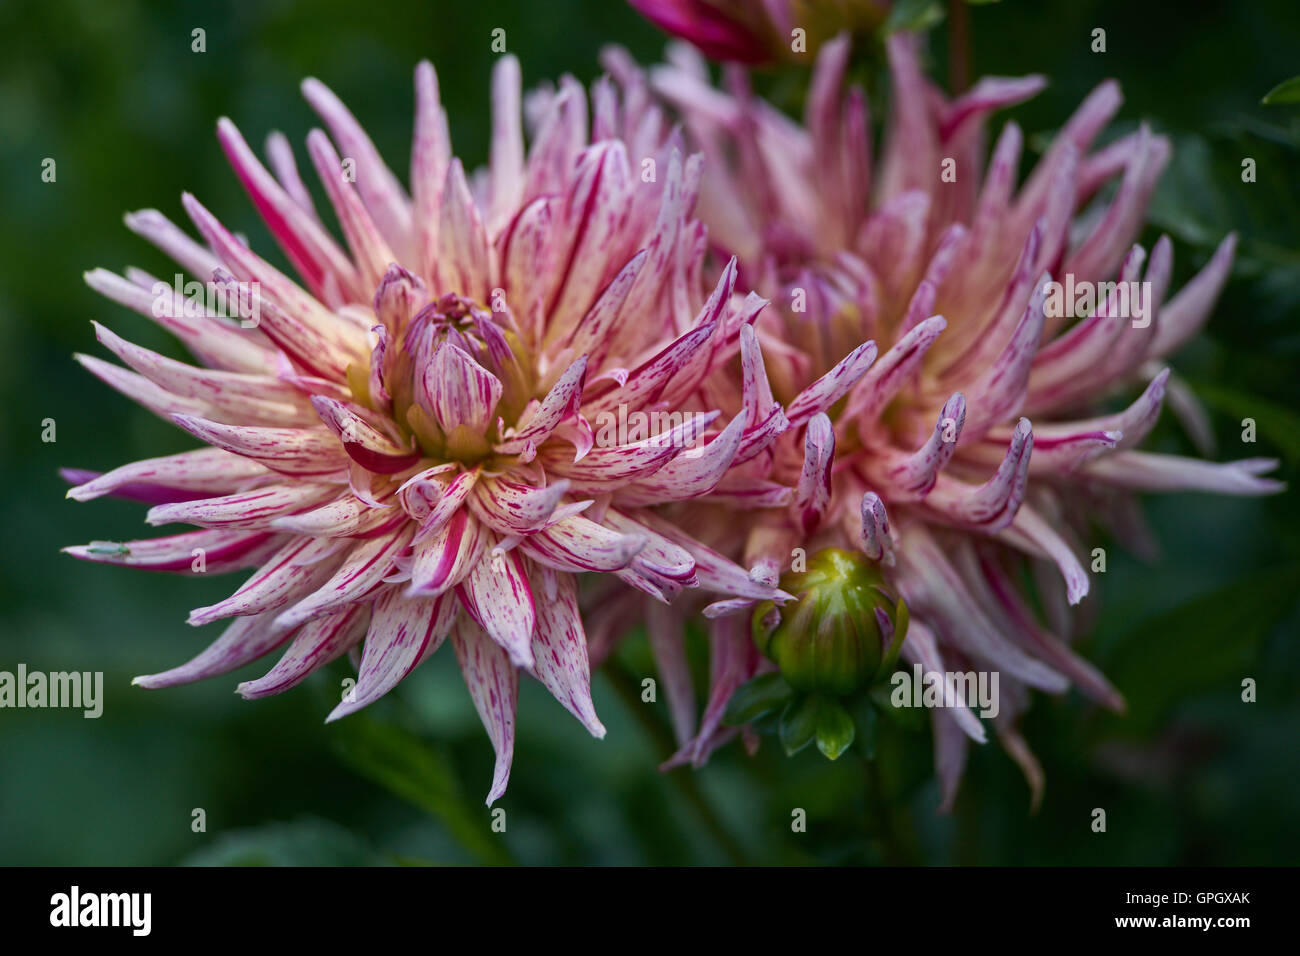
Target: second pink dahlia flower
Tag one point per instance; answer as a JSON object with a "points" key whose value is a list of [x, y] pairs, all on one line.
{"points": [[930, 301], [401, 441]]}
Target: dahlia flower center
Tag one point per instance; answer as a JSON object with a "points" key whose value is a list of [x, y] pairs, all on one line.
{"points": [[451, 379]]}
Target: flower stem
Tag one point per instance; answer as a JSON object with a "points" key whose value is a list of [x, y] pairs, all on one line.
{"points": [[662, 743], [882, 817], [959, 45]]}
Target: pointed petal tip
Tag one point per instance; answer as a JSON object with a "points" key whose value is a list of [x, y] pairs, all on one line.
{"points": [[344, 709], [1077, 589], [522, 658]]}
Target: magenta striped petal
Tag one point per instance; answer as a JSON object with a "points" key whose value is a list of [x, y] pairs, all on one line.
{"points": [[497, 595], [251, 510], [921, 647], [431, 502], [694, 472], [383, 195], [403, 633], [345, 517], [361, 572], [716, 572], [157, 229], [139, 491], [280, 155], [369, 246], [245, 640], [916, 474], [195, 552], [1148, 471], [834, 385], [316, 644], [466, 263], [667, 638], [457, 391], [365, 444], [224, 396], [430, 155], [813, 494], [1047, 646], [493, 685], [1186, 312], [1031, 533], [310, 248], [993, 505], [511, 508], [221, 344], [290, 451], [507, 162], [934, 586], [733, 661], [682, 360], [884, 379], [296, 570], [560, 405], [200, 473], [286, 309], [592, 334], [876, 539], [442, 559], [661, 568], [140, 390], [559, 650], [1000, 392], [579, 544]]}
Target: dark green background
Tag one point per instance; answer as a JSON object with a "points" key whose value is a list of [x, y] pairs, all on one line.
{"points": [[112, 92]]}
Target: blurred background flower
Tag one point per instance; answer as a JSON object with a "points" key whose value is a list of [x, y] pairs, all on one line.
{"points": [[955, 275], [115, 95], [762, 31]]}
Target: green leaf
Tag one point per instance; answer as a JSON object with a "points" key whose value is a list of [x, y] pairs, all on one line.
{"points": [[400, 761], [302, 843], [1278, 425], [799, 723], [1207, 643], [753, 699], [835, 730], [1288, 91], [915, 16]]}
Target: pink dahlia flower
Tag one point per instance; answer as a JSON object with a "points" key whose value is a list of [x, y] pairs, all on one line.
{"points": [[915, 293], [406, 441], [760, 31]]}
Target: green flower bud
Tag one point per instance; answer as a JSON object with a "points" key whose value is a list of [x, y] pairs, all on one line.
{"points": [[842, 628]]}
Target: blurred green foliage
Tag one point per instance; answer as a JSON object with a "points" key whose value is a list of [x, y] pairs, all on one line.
{"points": [[113, 93]]}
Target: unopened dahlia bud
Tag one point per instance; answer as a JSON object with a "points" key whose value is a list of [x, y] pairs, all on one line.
{"points": [[843, 625]]}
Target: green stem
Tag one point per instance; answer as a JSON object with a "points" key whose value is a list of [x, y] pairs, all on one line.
{"points": [[882, 818], [662, 742]]}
